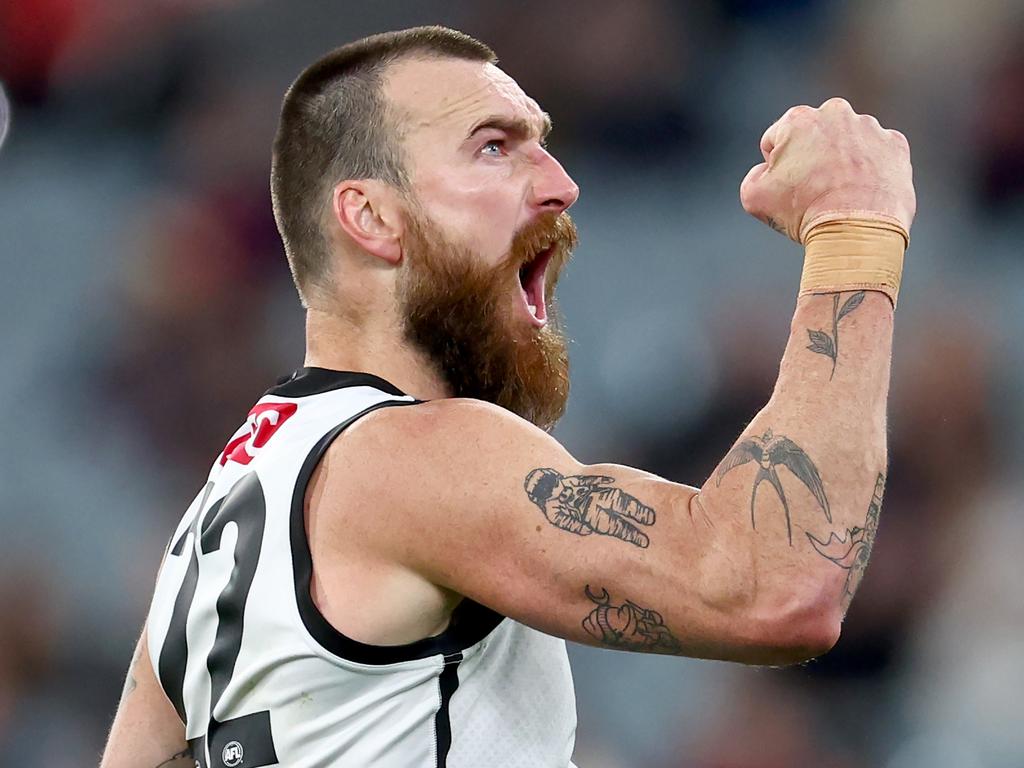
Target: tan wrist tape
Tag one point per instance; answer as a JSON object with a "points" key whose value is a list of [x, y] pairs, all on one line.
{"points": [[854, 255]]}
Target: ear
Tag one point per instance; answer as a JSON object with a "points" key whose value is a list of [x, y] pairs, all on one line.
{"points": [[368, 211]]}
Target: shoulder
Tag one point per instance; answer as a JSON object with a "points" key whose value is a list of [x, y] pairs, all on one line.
{"points": [[448, 413], [440, 435], [428, 465]]}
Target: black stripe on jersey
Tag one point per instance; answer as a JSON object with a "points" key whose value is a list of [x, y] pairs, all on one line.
{"points": [[315, 381], [470, 622], [448, 682], [174, 654]]}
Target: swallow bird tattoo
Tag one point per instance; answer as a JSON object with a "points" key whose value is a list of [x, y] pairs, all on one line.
{"points": [[769, 452]]}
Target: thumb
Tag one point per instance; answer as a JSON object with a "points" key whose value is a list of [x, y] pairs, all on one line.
{"points": [[751, 194], [760, 194]]}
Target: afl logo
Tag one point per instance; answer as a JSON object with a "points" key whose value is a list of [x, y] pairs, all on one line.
{"points": [[232, 754]]}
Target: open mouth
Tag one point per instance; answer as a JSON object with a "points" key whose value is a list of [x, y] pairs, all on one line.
{"points": [[532, 277]]}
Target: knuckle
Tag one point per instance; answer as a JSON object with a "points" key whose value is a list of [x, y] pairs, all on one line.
{"points": [[871, 120], [899, 138], [836, 103], [800, 110]]}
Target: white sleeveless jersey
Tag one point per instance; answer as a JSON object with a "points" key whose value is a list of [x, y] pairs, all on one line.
{"points": [[260, 678]]}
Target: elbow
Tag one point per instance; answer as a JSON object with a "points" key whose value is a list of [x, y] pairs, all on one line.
{"points": [[772, 614], [799, 627], [791, 628], [800, 638]]}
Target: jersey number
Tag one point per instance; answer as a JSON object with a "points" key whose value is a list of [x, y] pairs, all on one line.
{"points": [[242, 740]]}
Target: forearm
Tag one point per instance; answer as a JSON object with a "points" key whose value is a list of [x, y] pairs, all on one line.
{"points": [[760, 564], [806, 475]]}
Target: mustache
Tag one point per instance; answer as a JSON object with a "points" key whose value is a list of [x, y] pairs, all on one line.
{"points": [[554, 231]]}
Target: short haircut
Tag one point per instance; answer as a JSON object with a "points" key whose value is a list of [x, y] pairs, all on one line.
{"points": [[335, 125]]}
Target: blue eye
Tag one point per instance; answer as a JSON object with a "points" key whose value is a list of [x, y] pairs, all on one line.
{"points": [[498, 144]]}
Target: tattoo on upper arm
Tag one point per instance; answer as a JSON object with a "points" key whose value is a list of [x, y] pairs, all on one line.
{"points": [[770, 451], [853, 550], [185, 754], [628, 626], [130, 683], [824, 344], [586, 504]]}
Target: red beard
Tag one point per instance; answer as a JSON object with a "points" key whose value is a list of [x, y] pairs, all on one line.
{"points": [[465, 317]]}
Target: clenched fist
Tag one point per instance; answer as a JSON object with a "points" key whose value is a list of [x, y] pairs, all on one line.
{"points": [[828, 164]]}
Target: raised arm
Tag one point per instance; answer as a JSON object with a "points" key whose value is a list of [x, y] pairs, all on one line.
{"points": [[842, 185], [760, 563]]}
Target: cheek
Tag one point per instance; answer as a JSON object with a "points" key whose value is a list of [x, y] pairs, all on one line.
{"points": [[482, 220]]}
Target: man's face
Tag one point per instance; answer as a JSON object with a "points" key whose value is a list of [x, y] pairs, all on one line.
{"points": [[487, 234], [461, 313]]}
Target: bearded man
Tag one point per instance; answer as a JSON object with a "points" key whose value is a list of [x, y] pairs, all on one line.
{"points": [[388, 556]]}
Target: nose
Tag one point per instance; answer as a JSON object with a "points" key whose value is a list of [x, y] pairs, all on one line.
{"points": [[553, 189]]}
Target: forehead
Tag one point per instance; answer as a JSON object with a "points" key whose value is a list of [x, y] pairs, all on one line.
{"points": [[439, 95]]}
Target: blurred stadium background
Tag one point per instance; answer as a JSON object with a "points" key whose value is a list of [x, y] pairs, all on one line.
{"points": [[145, 303]]}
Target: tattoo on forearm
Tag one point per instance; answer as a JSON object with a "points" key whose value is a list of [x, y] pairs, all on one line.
{"points": [[628, 626], [185, 754], [770, 451], [853, 550], [586, 504], [824, 344]]}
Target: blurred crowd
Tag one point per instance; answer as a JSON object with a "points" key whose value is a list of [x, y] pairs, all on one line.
{"points": [[146, 304]]}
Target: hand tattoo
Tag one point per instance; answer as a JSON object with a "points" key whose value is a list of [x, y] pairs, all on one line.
{"points": [[628, 626], [586, 504], [853, 550], [770, 451], [776, 225], [827, 345]]}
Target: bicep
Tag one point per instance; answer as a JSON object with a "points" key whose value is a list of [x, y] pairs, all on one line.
{"points": [[596, 554], [146, 730], [498, 511]]}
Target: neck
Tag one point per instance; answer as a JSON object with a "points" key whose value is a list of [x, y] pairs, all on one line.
{"points": [[371, 346]]}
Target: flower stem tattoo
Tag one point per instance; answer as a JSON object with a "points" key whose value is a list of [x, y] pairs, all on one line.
{"points": [[853, 550], [770, 451], [586, 504], [627, 626], [821, 342]]}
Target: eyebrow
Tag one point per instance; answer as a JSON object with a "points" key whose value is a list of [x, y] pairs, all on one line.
{"points": [[514, 126]]}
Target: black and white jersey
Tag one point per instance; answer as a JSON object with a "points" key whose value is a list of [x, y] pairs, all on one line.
{"points": [[258, 675]]}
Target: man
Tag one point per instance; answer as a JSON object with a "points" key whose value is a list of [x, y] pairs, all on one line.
{"points": [[386, 559]]}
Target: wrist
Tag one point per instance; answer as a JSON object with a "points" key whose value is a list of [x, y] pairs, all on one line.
{"points": [[854, 252]]}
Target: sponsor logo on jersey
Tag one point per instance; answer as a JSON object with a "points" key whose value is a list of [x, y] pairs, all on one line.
{"points": [[231, 755], [263, 421]]}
